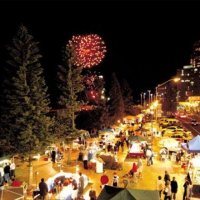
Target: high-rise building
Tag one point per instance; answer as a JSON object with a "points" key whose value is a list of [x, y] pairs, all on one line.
{"points": [[167, 96], [190, 82], [195, 57]]}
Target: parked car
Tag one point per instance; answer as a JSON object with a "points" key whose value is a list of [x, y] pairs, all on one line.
{"points": [[171, 129], [182, 137]]}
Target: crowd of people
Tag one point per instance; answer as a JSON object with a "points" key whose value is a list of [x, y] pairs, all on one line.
{"points": [[8, 176], [168, 187], [60, 183]]}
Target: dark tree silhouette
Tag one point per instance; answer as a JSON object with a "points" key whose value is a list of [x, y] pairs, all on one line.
{"points": [[116, 104], [25, 124], [127, 97]]}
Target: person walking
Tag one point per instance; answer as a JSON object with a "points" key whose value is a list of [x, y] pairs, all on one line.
{"points": [[85, 159], [167, 191], [43, 189], [7, 172], [134, 169], [174, 188], [115, 180], [12, 169], [160, 185], [186, 189], [133, 173], [166, 177], [149, 156], [92, 194], [140, 167], [81, 185], [53, 156]]}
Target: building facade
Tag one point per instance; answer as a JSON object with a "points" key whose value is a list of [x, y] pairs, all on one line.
{"points": [[190, 82]]}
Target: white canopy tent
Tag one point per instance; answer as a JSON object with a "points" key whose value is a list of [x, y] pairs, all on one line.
{"points": [[193, 146]]}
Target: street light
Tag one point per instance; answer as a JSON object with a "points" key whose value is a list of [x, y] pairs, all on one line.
{"points": [[141, 99], [144, 94], [149, 91], [159, 85], [151, 97]]}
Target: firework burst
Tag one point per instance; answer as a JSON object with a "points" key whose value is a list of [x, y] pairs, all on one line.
{"points": [[89, 50]]}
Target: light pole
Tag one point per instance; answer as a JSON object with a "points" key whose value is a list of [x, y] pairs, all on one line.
{"points": [[149, 91], [144, 94], [159, 85], [141, 99], [151, 99]]}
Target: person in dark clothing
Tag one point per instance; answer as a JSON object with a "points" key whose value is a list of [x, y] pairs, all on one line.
{"points": [[53, 156], [92, 194], [109, 147], [186, 186], [7, 172], [174, 188], [43, 189], [166, 177]]}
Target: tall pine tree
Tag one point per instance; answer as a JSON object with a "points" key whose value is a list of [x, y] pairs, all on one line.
{"points": [[116, 104], [127, 97], [70, 84], [24, 120]]}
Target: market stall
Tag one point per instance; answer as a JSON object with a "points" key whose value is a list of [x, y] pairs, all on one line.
{"points": [[193, 146], [171, 144], [194, 172], [110, 161], [136, 149], [64, 184], [107, 136]]}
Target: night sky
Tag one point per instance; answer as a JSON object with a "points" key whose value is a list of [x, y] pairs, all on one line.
{"points": [[146, 40]]}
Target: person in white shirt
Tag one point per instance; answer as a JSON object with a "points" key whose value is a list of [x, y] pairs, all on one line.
{"points": [[12, 169], [149, 157], [160, 185], [167, 191]]}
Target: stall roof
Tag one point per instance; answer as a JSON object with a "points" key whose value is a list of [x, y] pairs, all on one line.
{"points": [[193, 145], [112, 193], [12, 193]]}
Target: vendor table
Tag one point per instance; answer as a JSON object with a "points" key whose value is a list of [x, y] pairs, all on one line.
{"points": [[136, 155]]}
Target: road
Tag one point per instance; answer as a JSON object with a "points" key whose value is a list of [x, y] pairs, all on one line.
{"points": [[187, 124]]}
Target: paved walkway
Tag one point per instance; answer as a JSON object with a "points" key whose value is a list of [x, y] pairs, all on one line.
{"points": [[45, 169]]}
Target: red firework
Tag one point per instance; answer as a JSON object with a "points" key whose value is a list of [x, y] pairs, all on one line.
{"points": [[89, 50]]}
